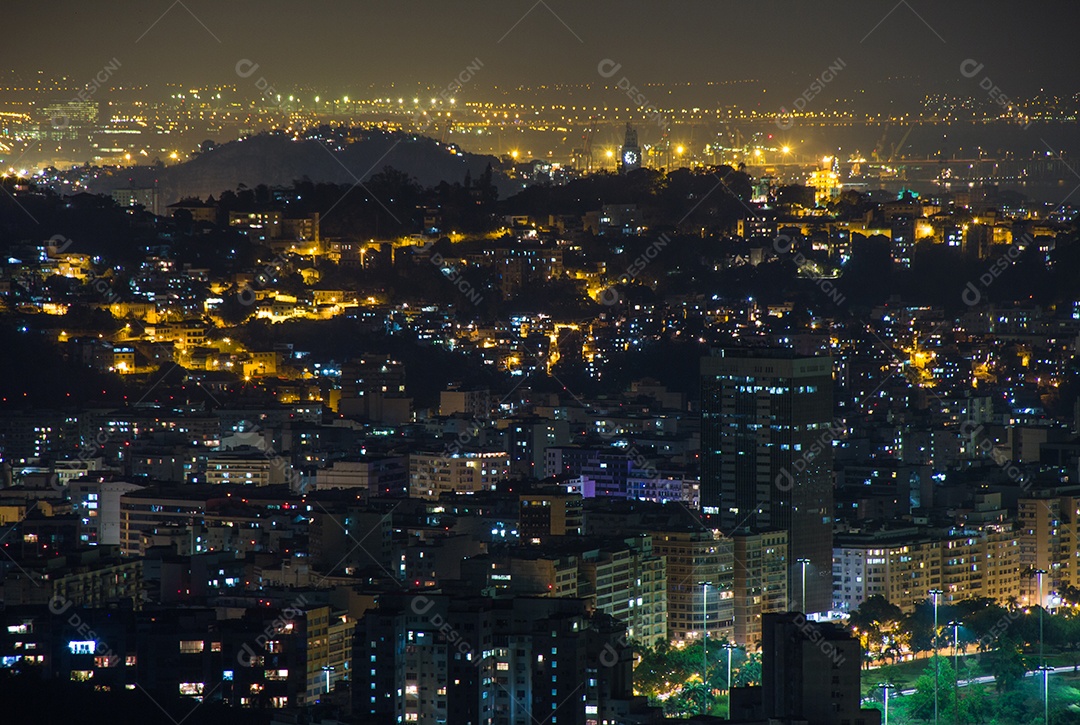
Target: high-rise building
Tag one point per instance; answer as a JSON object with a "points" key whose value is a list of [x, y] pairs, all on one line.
{"points": [[903, 565], [766, 455], [433, 658], [759, 583], [699, 583], [268, 658], [1048, 542], [811, 673], [629, 583]]}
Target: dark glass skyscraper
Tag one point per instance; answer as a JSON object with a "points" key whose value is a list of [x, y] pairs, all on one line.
{"points": [[766, 456]]}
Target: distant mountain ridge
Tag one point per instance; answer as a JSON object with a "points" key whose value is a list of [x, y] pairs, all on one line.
{"points": [[276, 159]]}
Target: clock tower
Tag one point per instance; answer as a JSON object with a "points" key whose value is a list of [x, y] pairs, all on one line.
{"points": [[630, 155]]}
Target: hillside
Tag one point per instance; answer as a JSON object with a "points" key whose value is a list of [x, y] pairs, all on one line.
{"points": [[277, 160]]}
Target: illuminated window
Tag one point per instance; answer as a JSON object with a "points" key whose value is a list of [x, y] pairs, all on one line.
{"points": [[191, 646]]}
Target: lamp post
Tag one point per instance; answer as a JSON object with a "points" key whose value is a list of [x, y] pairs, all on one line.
{"points": [[803, 563], [956, 669], [729, 647], [885, 687], [328, 669], [704, 628], [1039, 573], [935, 593], [955, 643], [1046, 692]]}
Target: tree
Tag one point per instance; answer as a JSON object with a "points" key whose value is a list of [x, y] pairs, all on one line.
{"points": [[749, 672], [699, 695], [1012, 707], [975, 705], [941, 672], [1063, 699], [1007, 664], [693, 698], [879, 625]]}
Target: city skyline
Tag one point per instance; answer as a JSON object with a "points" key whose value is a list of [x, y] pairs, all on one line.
{"points": [[420, 42], [540, 363]]}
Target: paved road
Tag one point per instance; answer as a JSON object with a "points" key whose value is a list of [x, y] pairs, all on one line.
{"points": [[987, 679]]}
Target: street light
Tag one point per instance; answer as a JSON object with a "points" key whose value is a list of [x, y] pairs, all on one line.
{"points": [[803, 563], [1046, 692], [956, 669], [328, 669], [1039, 573], [885, 687], [729, 647], [704, 628], [935, 593]]}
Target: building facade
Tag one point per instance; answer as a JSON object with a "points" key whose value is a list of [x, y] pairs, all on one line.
{"points": [[766, 454]]}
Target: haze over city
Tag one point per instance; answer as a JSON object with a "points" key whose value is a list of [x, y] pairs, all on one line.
{"points": [[516, 363]]}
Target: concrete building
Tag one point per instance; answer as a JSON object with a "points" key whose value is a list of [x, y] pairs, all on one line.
{"points": [[759, 583], [694, 557], [433, 658], [142, 511], [246, 466], [630, 584], [475, 404], [1048, 531], [267, 658], [432, 474], [903, 565], [811, 673], [766, 453], [97, 503], [377, 475], [550, 513], [527, 442]]}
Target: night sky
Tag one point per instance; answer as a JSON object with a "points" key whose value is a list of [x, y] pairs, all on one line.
{"points": [[339, 46]]}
